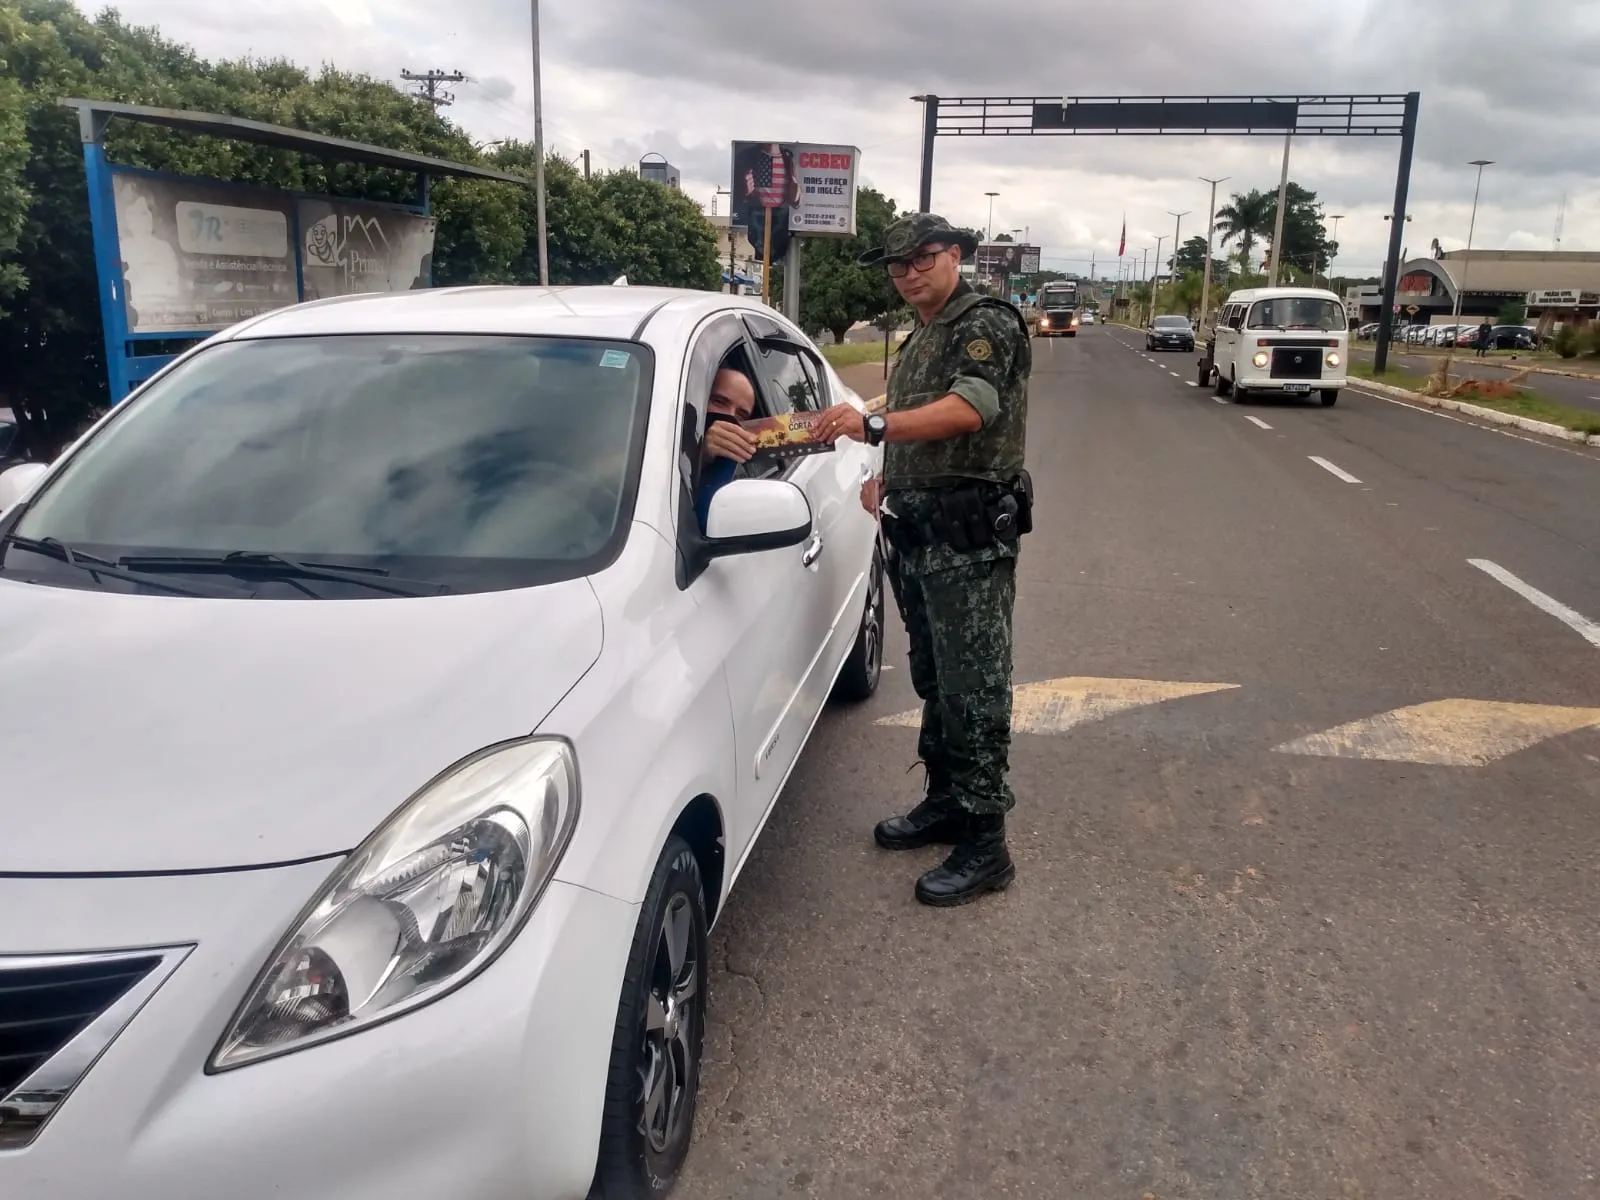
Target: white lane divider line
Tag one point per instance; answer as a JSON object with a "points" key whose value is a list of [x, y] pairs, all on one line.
{"points": [[1220, 399], [1191, 383], [1587, 629], [1260, 422], [1174, 374], [1333, 470]]}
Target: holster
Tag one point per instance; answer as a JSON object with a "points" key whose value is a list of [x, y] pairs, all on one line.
{"points": [[968, 518]]}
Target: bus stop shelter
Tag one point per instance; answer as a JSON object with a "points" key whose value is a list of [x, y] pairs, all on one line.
{"points": [[178, 258]]}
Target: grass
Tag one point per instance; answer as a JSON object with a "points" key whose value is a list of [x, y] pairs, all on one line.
{"points": [[853, 354], [1521, 402]]}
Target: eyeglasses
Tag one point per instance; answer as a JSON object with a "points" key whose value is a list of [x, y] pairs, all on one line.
{"points": [[898, 267]]}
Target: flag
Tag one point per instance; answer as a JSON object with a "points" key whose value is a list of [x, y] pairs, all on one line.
{"points": [[1123, 244], [769, 181]]}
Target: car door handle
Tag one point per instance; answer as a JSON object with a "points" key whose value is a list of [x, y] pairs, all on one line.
{"points": [[813, 550]]}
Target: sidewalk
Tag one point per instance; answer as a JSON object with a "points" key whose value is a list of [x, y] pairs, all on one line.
{"points": [[866, 379], [1572, 368]]}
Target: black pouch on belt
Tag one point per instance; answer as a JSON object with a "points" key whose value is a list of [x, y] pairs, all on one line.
{"points": [[966, 520], [1023, 490]]}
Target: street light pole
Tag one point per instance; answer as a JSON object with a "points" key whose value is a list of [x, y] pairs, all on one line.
{"points": [[538, 152], [1335, 218], [1151, 316], [1211, 221], [1466, 262], [1283, 203], [989, 237], [1177, 241]]}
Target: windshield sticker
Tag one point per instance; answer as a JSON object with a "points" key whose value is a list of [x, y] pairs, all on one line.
{"points": [[614, 358]]}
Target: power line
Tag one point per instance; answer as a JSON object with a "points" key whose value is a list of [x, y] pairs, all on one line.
{"points": [[430, 90]]}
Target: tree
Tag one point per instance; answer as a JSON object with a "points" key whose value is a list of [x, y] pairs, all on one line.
{"points": [[1191, 256], [1247, 220], [835, 291], [1004, 237]]}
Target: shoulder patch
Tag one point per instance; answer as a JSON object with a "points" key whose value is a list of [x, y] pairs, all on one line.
{"points": [[979, 350]]}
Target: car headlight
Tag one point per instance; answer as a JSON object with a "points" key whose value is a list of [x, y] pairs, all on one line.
{"points": [[1260, 359], [1332, 360], [420, 907]]}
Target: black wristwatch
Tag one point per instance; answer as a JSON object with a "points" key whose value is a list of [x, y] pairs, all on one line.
{"points": [[877, 426]]}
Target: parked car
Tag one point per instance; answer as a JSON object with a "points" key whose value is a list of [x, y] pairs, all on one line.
{"points": [[1169, 333], [383, 734], [1284, 341]]}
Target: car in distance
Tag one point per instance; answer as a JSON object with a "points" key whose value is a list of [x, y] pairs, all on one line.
{"points": [[1169, 333], [383, 733]]}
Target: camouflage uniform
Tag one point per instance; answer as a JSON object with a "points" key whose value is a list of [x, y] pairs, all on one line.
{"points": [[957, 605]]}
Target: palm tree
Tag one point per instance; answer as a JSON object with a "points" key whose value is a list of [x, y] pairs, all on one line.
{"points": [[1249, 219]]}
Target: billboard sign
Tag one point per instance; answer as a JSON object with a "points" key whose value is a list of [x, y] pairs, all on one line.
{"points": [[198, 256], [1007, 258], [349, 247], [814, 186]]}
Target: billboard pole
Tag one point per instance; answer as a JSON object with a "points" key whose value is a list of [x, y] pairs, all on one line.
{"points": [[791, 281], [766, 256], [538, 152]]}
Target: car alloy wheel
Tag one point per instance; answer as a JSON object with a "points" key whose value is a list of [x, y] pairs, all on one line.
{"points": [[858, 678], [654, 1078]]}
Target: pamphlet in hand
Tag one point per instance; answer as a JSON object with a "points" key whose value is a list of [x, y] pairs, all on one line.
{"points": [[788, 435]]}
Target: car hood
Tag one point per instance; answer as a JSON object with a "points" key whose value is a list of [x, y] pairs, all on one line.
{"points": [[153, 734]]}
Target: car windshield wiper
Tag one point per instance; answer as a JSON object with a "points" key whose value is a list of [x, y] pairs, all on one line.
{"points": [[100, 568], [261, 562]]}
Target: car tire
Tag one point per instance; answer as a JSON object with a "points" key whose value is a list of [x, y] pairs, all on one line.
{"points": [[1223, 384], [1330, 397], [644, 1141], [858, 678], [1241, 395]]}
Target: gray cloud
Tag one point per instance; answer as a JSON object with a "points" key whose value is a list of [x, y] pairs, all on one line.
{"points": [[1509, 82]]}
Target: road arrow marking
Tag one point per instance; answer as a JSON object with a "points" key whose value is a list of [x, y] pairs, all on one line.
{"points": [[1447, 733], [1057, 705]]}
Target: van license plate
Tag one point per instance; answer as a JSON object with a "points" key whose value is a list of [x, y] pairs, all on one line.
{"points": [[1297, 387]]}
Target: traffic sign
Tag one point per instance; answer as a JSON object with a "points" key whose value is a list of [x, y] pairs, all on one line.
{"points": [[1411, 310]]}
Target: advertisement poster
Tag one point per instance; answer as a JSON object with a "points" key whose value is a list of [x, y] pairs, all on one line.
{"points": [[349, 247], [196, 256], [787, 435], [814, 184]]}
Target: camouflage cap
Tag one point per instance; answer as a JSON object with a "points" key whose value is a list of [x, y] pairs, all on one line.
{"points": [[914, 230]]}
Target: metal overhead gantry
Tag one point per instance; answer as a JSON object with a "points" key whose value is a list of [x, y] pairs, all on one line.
{"points": [[1321, 115], [178, 258]]}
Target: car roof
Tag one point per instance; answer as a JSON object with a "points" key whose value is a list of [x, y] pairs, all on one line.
{"points": [[1269, 292], [582, 311]]}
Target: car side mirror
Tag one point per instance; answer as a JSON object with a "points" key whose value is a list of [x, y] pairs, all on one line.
{"points": [[748, 516], [18, 483]]}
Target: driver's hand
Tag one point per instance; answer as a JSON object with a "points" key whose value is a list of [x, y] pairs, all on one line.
{"points": [[726, 440]]}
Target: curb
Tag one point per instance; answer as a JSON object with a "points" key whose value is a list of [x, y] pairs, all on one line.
{"points": [[1505, 365], [1494, 415]]}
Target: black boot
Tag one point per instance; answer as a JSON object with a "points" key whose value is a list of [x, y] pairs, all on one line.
{"points": [[980, 863], [937, 820]]}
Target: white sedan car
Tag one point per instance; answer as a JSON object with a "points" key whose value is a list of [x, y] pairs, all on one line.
{"points": [[382, 733]]}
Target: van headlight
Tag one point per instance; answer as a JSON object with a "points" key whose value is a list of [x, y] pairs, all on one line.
{"points": [[1333, 358], [420, 907], [1260, 359]]}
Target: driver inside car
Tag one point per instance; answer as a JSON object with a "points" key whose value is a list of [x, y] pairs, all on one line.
{"points": [[726, 444]]}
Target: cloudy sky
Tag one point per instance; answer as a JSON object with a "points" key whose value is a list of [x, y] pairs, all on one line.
{"points": [[1515, 83]]}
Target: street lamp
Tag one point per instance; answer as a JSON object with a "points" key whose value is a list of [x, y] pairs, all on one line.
{"points": [[1211, 221], [991, 195], [1151, 299], [1461, 288], [538, 151], [1335, 218], [1177, 228]]}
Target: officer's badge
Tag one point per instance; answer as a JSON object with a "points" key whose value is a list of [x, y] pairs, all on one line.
{"points": [[979, 350]]}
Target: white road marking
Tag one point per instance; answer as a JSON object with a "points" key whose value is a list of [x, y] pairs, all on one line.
{"points": [[1220, 399], [1333, 470], [1587, 629], [1258, 421], [1501, 430], [1174, 374], [1191, 383]]}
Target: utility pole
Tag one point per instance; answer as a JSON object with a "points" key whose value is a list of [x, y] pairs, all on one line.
{"points": [[1277, 232], [1155, 278], [538, 150], [586, 165], [1211, 221], [429, 82], [1176, 230], [1466, 261]]}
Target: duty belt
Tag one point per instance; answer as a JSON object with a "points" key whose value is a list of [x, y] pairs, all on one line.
{"points": [[967, 518]]}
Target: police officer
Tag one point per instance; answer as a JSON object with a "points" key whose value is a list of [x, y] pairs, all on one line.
{"points": [[954, 501]]}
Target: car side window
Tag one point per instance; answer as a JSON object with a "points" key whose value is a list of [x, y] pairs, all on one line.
{"points": [[791, 381], [722, 337]]}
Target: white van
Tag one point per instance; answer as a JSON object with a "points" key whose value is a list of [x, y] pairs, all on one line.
{"points": [[1283, 341]]}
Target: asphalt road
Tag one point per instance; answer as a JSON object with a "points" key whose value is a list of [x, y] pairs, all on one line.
{"points": [[1309, 822], [1579, 393]]}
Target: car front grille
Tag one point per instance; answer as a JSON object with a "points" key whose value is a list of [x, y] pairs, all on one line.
{"points": [[58, 1013], [1297, 362]]}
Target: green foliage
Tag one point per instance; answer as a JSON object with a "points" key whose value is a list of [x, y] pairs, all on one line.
{"points": [[1191, 256], [1512, 312], [1566, 342], [836, 292], [50, 339], [1251, 217]]}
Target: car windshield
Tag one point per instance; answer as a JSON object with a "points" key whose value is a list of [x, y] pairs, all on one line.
{"points": [[476, 462], [1178, 323], [1296, 312]]}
